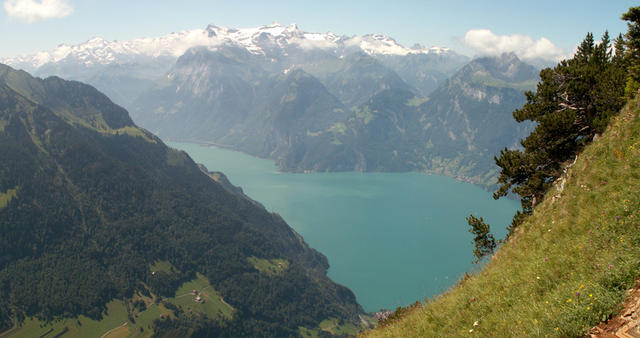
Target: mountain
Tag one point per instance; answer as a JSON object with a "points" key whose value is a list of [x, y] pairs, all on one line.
{"points": [[424, 71], [356, 115], [456, 131], [380, 135], [568, 267], [236, 88], [263, 40], [468, 119], [359, 77], [125, 69], [225, 97], [101, 223]]}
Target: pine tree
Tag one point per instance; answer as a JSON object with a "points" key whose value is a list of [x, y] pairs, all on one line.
{"points": [[633, 49], [573, 102], [484, 241], [586, 48], [620, 51]]}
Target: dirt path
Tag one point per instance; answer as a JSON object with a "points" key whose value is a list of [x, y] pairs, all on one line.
{"points": [[5, 333], [627, 323], [115, 328]]}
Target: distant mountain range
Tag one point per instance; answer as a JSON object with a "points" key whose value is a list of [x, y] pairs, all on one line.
{"points": [[455, 131], [310, 101], [343, 113], [264, 40], [122, 69]]}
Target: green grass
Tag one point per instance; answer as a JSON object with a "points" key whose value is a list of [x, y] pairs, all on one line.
{"points": [[6, 197], [308, 333], [564, 270], [271, 267], [133, 132], [213, 306], [119, 312], [111, 322], [144, 319], [92, 120], [176, 158], [333, 326], [115, 316], [364, 114], [416, 101], [315, 133], [289, 98], [162, 266], [338, 128]]}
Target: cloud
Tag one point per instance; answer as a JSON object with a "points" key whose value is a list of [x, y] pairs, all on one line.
{"points": [[37, 10], [314, 44], [485, 42]]}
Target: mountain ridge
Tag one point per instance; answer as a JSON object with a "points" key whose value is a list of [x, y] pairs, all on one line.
{"points": [[256, 40], [88, 210], [125, 70], [455, 131]]}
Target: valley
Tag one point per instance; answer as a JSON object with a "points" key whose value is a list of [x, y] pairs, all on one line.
{"points": [[313, 102], [281, 181], [374, 228]]}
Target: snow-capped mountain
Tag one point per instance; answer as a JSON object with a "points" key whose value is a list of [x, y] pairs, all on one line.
{"points": [[259, 40]]}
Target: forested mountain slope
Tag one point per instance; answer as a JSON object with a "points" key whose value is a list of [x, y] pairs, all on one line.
{"points": [[455, 131], [92, 208]]}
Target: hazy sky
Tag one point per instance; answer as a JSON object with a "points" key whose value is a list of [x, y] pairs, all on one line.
{"points": [[541, 26]]}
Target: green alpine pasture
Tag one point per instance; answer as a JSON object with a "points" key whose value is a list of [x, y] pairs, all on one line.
{"points": [[210, 304], [7, 196], [132, 317], [271, 267], [566, 268]]}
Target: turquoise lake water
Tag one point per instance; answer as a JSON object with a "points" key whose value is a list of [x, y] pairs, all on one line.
{"points": [[392, 238]]}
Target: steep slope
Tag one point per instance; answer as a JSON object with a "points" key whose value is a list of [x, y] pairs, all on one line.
{"points": [[278, 92], [456, 131], [94, 210], [424, 72], [380, 135], [359, 77], [468, 118], [567, 268], [227, 98]]}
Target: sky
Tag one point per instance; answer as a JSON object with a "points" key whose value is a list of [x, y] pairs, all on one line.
{"points": [[542, 28]]}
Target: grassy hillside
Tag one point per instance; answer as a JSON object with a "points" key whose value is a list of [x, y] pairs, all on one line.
{"points": [[567, 268]]}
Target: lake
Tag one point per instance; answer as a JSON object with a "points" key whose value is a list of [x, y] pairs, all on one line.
{"points": [[392, 238]]}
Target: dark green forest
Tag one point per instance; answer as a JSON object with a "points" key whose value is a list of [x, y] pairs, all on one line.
{"points": [[98, 200]]}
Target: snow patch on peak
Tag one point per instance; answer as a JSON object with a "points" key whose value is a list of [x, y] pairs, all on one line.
{"points": [[378, 44], [382, 44], [438, 50], [256, 40]]}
